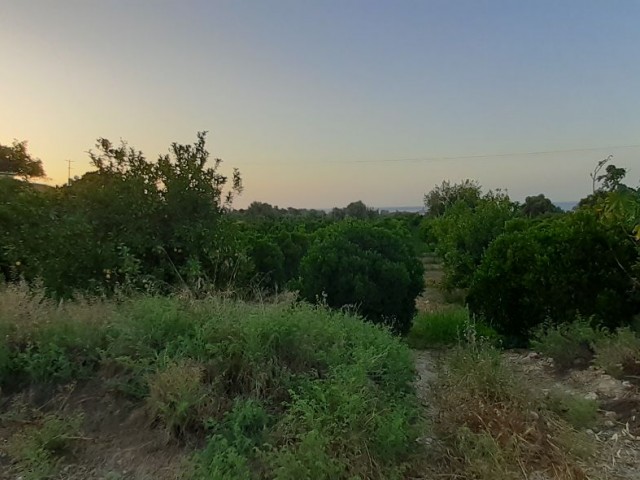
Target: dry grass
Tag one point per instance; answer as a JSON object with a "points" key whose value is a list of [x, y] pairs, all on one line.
{"points": [[493, 427], [619, 354], [180, 398], [27, 309]]}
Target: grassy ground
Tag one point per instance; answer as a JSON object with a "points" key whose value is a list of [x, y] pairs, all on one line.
{"points": [[175, 388]]}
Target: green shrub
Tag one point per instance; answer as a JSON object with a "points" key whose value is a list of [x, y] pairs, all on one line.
{"points": [[464, 232], [445, 327], [554, 269], [221, 461], [580, 412], [268, 261], [365, 267], [619, 353], [234, 440], [568, 344], [278, 389], [129, 221]]}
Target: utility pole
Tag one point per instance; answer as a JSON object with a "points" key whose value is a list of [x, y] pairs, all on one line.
{"points": [[69, 172]]}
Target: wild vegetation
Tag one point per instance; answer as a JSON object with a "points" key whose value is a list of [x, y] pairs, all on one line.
{"points": [[524, 265], [270, 391], [276, 343]]}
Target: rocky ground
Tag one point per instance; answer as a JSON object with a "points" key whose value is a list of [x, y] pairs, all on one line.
{"points": [[617, 432]]}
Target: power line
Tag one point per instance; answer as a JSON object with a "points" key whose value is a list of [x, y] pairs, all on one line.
{"points": [[496, 155], [460, 157]]}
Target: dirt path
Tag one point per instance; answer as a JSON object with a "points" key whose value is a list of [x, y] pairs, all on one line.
{"points": [[426, 370]]}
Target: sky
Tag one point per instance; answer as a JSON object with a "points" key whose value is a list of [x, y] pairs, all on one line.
{"points": [[320, 103]]}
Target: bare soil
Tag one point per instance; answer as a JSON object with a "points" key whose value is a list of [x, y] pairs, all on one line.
{"points": [[118, 442]]}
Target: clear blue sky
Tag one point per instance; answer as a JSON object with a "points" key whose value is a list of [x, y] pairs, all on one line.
{"points": [[312, 99]]}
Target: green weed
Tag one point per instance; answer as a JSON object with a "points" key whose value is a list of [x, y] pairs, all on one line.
{"points": [[568, 344], [619, 353], [45, 342], [445, 327], [39, 449], [177, 396], [276, 390], [580, 412]]}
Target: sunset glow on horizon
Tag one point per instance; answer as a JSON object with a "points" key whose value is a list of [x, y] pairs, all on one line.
{"points": [[323, 103]]}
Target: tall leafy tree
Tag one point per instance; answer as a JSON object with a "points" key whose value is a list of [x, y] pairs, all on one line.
{"points": [[15, 160], [447, 194], [537, 205]]}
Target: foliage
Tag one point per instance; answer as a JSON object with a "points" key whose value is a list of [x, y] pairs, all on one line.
{"points": [[274, 391], [275, 252], [15, 160], [130, 222], [605, 184], [579, 342], [365, 267], [25, 226], [443, 196], [553, 269], [568, 344], [611, 179], [46, 342], [538, 205], [177, 396], [355, 210], [464, 232], [580, 412], [445, 327], [618, 353]]}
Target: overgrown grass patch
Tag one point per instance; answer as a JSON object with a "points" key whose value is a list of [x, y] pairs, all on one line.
{"points": [[580, 344], [494, 427], [446, 327], [47, 342], [580, 412], [619, 354], [273, 391], [39, 448], [568, 344]]}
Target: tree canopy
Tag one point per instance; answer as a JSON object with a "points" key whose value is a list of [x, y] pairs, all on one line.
{"points": [[445, 195], [537, 205], [15, 160]]}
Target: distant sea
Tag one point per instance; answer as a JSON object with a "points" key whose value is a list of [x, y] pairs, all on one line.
{"points": [[402, 209], [566, 206]]}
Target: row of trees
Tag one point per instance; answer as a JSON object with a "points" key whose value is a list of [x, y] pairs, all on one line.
{"points": [[525, 264], [167, 224]]}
